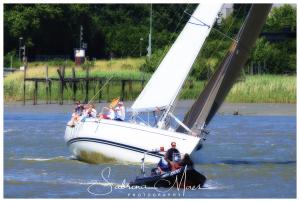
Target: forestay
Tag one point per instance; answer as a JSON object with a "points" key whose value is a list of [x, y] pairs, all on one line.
{"points": [[166, 82], [214, 93]]}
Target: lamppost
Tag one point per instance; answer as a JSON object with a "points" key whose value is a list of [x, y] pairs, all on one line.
{"points": [[20, 44], [141, 39]]}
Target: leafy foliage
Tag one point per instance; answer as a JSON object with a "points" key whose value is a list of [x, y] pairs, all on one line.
{"points": [[281, 18], [10, 60], [108, 29], [121, 30]]}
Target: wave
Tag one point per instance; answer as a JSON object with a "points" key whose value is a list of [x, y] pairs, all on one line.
{"points": [[213, 185], [61, 181], [8, 130], [50, 159]]}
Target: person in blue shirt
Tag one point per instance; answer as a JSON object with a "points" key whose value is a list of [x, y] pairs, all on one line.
{"points": [[163, 165]]}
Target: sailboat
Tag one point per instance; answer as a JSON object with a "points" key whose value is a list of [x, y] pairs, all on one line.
{"points": [[138, 139]]}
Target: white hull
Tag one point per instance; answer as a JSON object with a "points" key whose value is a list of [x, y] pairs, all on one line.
{"points": [[124, 141]]}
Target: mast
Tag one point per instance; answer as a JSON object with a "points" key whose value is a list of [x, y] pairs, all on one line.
{"points": [[167, 80], [150, 35], [223, 79]]}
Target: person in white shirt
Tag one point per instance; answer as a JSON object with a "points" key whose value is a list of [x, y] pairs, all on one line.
{"points": [[110, 114], [120, 112], [92, 112]]}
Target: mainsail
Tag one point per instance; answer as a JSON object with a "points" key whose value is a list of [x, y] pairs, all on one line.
{"points": [[223, 79], [166, 82]]}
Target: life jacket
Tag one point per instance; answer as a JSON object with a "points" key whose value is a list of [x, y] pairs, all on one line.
{"points": [[164, 165]]}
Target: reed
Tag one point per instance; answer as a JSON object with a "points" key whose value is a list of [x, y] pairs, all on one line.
{"points": [[252, 89], [264, 89]]}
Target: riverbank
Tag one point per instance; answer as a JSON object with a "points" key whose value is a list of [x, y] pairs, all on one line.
{"points": [[249, 89], [262, 109], [252, 89]]}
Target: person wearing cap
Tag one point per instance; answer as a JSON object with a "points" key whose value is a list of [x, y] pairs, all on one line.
{"points": [[76, 114], [173, 157], [78, 108], [91, 112], [173, 154], [120, 111]]}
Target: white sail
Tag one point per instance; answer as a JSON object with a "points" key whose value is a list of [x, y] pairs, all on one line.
{"points": [[166, 82]]}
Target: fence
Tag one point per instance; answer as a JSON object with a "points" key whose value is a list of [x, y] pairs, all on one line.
{"points": [[73, 83]]}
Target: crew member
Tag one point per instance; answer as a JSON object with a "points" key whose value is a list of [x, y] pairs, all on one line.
{"points": [[79, 108], [120, 111], [186, 161], [173, 157], [110, 114], [163, 165], [173, 154]]}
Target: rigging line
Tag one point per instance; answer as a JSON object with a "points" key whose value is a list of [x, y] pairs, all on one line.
{"points": [[172, 36], [233, 21], [226, 33], [222, 39], [204, 24], [106, 82], [171, 107], [219, 44]]}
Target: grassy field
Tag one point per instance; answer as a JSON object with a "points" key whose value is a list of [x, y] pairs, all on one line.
{"points": [[252, 89]]}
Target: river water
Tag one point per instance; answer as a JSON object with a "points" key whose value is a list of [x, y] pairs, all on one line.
{"points": [[245, 156]]}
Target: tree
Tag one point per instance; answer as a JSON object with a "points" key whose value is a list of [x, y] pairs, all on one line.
{"points": [[281, 18], [53, 29], [277, 56]]}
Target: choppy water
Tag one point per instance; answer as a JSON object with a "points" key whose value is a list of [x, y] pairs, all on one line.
{"points": [[243, 157]]}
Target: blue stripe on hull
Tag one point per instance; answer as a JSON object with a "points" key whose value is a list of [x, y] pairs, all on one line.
{"points": [[124, 146]]}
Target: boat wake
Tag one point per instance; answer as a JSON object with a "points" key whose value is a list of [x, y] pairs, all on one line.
{"points": [[51, 159], [8, 130], [213, 185], [62, 181]]}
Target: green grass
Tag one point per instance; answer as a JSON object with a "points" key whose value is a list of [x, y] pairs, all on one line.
{"points": [[264, 89], [253, 89], [117, 69]]}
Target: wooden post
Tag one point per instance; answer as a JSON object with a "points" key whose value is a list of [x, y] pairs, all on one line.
{"points": [[24, 84], [60, 74], [123, 90], [143, 81], [87, 85], [74, 84], [50, 84], [47, 85], [100, 93], [107, 92], [94, 85], [35, 92], [130, 89], [63, 71]]}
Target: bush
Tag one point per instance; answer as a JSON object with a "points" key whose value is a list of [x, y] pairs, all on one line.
{"points": [[88, 64], [11, 60], [279, 58], [150, 65]]}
